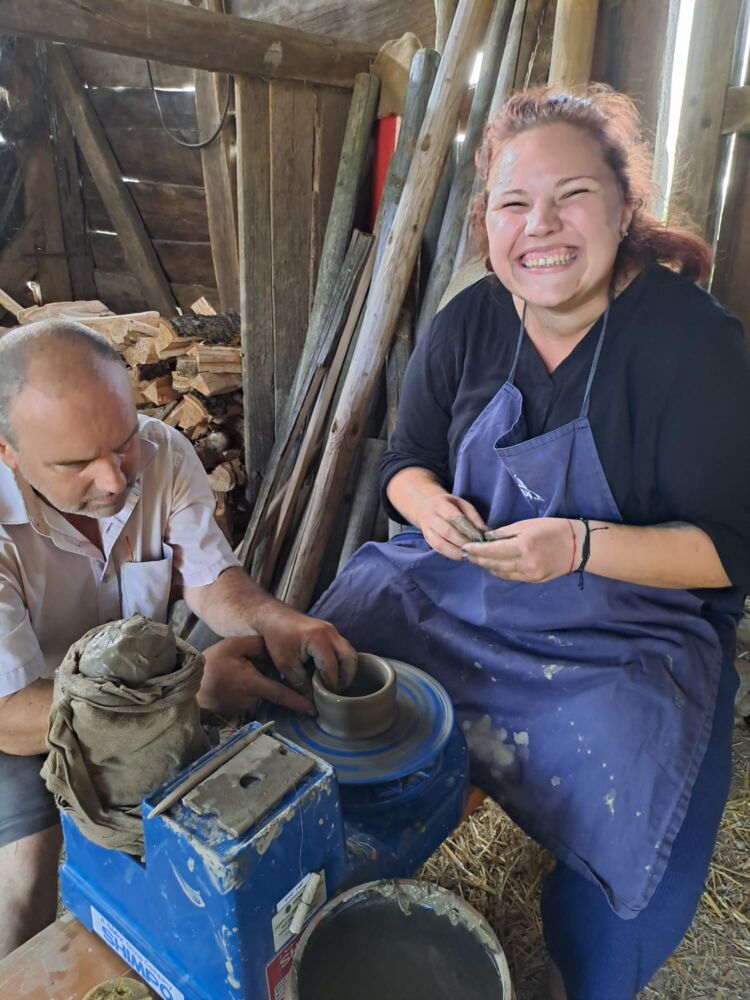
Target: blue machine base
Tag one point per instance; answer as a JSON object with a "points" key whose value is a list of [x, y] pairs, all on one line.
{"points": [[206, 916]]}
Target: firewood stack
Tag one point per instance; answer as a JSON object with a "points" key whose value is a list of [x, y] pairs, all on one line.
{"points": [[186, 371]]}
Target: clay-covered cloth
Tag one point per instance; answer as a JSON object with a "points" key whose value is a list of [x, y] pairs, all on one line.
{"points": [[112, 744]]}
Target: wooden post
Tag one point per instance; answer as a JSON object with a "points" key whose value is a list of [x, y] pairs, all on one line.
{"points": [[445, 11], [210, 99], [189, 36], [388, 289], [256, 272], [365, 500], [460, 193], [573, 42], [709, 67], [96, 150]]}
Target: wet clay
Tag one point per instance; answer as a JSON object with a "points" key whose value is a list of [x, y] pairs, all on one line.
{"points": [[119, 989], [368, 705], [375, 949], [470, 531], [133, 651]]}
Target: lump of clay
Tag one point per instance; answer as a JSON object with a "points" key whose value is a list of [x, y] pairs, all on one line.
{"points": [[133, 651]]}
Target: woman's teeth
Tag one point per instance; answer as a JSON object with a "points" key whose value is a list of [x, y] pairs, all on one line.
{"points": [[554, 260]]}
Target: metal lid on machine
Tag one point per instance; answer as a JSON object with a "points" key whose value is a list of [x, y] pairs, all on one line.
{"points": [[422, 726]]}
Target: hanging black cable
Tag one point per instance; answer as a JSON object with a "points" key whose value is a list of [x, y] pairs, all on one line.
{"points": [[202, 143]]}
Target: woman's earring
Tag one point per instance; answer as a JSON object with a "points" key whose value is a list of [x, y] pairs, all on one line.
{"points": [[623, 234]]}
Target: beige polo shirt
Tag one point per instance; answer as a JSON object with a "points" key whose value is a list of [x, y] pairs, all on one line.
{"points": [[55, 584]]}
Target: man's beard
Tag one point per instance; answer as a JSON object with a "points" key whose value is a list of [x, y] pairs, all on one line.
{"points": [[89, 506]]}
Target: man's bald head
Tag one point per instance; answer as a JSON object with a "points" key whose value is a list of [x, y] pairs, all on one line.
{"points": [[54, 353]]}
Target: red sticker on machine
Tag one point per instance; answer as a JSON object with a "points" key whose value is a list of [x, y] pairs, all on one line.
{"points": [[278, 969]]}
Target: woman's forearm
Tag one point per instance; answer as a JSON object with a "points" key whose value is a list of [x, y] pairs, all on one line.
{"points": [[664, 555]]}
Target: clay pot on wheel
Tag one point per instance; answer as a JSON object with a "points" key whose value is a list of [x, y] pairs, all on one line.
{"points": [[368, 706]]}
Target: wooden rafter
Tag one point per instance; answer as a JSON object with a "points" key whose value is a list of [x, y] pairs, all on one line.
{"points": [[189, 36]]}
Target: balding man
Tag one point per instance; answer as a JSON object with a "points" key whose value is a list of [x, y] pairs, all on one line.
{"points": [[102, 513]]}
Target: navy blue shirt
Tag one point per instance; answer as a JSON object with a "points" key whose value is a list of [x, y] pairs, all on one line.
{"points": [[670, 402]]}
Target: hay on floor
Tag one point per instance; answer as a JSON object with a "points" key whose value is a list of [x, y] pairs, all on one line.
{"points": [[499, 870]]}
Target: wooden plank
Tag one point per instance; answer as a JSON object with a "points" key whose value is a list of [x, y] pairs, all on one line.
{"points": [[103, 69], [169, 211], [537, 68], [185, 263], [160, 29], [292, 149], [365, 500], [134, 108], [122, 293], [387, 292], [709, 66], [573, 42], [95, 148], [256, 272], [148, 154], [72, 209], [210, 100], [630, 54], [736, 116], [356, 144], [63, 960], [535, 15], [370, 21], [331, 111]]}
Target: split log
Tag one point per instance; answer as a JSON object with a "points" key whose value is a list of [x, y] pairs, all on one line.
{"points": [[216, 359], [216, 328], [192, 412], [216, 383], [143, 352], [202, 307], [387, 292], [159, 391], [226, 476], [55, 310]]}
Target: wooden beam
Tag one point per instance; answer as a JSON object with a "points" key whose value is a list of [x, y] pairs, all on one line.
{"points": [[388, 290], [709, 70], [573, 42], [189, 36], [210, 100], [256, 273], [139, 252], [445, 11], [736, 116]]}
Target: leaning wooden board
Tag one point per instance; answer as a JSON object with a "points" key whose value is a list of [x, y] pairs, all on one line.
{"points": [[64, 962]]}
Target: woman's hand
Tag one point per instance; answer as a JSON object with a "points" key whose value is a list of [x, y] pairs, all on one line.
{"points": [[448, 522], [532, 551]]}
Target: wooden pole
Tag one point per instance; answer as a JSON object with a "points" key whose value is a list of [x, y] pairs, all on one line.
{"points": [[445, 11], [573, 42], [461, 188], [139, 251], [188, 36], [709, 68], [365, 501], [210, 99], [389, 288]]}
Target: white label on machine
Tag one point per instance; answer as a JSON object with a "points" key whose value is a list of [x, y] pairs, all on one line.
{"points": [[148, 972], [281, 922]]}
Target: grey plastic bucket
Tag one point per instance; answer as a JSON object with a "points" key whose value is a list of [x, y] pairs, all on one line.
{"points": [[398, 940]]}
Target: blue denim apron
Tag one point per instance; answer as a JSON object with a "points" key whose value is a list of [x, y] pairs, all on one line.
{"points": [[587, 712]]}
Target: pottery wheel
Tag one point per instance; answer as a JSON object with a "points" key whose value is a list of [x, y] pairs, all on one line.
{"points": [[423, 724]]}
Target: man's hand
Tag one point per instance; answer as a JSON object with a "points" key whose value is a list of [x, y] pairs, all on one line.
{"points": [[293, 639], [532, 551], [448, 522], [233, 684]]}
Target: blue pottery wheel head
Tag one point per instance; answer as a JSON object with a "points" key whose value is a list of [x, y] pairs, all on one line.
{"points": [[423, 724]]}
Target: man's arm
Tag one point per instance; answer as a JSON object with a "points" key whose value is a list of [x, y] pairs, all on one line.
{"points": [[23, 719], [235, 606]]}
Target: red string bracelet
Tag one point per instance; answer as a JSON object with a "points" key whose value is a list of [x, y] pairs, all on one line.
{"points": [[573, 557]]}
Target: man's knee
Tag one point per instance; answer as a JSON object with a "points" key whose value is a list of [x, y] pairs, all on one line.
{"points": [[28, 874]]}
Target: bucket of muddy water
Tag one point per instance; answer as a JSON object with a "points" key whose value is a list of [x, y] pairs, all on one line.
{"points": [[398, 940]]}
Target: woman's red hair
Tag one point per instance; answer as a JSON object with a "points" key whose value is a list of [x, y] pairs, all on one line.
{"points": [[611, 119]]}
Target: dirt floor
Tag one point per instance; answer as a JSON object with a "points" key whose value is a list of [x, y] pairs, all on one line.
{"points": [[498, 869]]}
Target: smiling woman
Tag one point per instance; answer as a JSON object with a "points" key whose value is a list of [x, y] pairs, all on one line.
{"points": [[572, 438]]}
